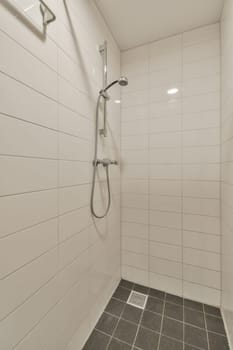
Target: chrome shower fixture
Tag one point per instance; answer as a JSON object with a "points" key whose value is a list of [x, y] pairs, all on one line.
{"points": [[106, 162], [123, 81]]}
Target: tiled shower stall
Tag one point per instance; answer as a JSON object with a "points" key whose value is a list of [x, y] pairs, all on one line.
{"points": [[171, 165], [170, 225]]}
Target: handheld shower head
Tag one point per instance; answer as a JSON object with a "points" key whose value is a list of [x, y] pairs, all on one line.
{"points": [[123, 81]]}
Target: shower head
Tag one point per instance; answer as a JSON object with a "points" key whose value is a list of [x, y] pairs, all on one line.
{"points": [[123, 81]]}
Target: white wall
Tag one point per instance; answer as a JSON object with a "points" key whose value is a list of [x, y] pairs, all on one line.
{"points": [[171, 165], [57, 267], [227, 166]]}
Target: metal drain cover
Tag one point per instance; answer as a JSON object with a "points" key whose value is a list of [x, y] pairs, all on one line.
{"points": [[137, 299]]}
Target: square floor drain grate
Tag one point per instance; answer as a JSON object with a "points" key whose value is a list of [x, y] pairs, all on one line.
{"points": [[137, 299]]}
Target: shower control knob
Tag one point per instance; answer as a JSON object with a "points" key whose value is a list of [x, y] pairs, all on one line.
{"points": [[106, 162]]}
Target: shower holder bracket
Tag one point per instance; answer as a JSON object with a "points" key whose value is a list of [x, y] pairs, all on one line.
{"points": [[103, 132], [102, 48]]}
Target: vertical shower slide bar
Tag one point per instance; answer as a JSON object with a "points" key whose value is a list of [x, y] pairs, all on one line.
{"points": [[103, 49]]}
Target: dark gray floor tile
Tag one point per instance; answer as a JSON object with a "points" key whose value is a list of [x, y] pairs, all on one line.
{"points": [[154, 305], [174, 299], [194, 317], [217, 342], [147, 339], [126, 284], [118, 345], [126, 331], [132, 313], [193, 305], [122, 293], [107, 323], [215, 324], [115, 307], [170, 344], [195, 336], [174, 311], [141, 289], [151, 320], [212, 310], [172, 328], [156, 293], [97, 340]]}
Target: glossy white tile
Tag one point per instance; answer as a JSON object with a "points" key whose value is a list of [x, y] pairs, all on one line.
{"points": [[175, 153]]}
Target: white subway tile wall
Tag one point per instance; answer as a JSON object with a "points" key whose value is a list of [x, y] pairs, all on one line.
{"points": [[170, 154], [58, 267], [227, 167]]}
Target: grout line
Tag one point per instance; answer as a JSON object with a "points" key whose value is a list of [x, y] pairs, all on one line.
{"points": [[38, 59], [143, 179], [10, 155], [28, 86], [207, 335], [183, 327], [28, 263], [136, 347], [178, 279], [148, 169], [121, 191], [44, 126], [175, 131], [44, 221], [215, 74], [29, 227], [47, 252], [169, 227], [173, 244], [171, 302], [154, 194], [47, 281], [172, 211], [182, 180], [221, 177], [120, 316], [162, 319], [177, 99], [28, 192], [31, 52], [54, 276], [170, 318], [44, 158], [29, 121], [46, 313], [162, 133], [130, 178], [138, 327], [111, 338], [175, 262]]}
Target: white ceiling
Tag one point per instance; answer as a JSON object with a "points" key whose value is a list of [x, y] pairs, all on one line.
{"points": [[136, 22]]}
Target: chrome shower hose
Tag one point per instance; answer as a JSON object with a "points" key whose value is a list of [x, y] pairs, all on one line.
{"points": [[95, 165]]}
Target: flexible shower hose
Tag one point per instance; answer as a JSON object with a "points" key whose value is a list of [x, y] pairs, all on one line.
{"points": [[95, 165]]}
